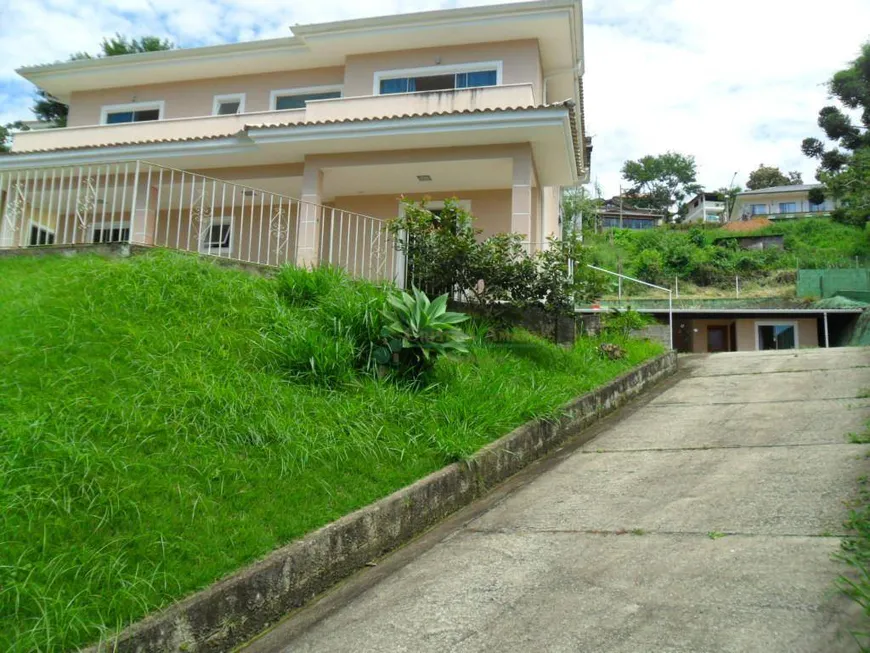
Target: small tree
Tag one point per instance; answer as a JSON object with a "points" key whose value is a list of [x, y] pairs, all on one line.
{"points": [[770, 176], [662, 182], [581, 206], [729, 197]]}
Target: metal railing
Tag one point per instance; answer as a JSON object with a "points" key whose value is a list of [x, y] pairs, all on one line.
{"points": [[146, 204]]}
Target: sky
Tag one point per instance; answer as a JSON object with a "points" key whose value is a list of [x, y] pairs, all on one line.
{"points": [[735, 84]]}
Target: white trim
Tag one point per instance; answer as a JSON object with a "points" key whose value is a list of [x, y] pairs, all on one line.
{"points": [[302, 90], [214, 221], [791, 323], [229, 97], [120, 225], [438, 70], [106, 109], [256, 136]]}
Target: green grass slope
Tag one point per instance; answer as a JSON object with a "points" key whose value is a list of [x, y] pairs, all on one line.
{"points": [[158, 432], [696, 254]]}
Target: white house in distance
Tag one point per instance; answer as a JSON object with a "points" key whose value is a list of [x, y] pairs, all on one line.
{"points": [[706, 207], [780, 203], [300, 148]]}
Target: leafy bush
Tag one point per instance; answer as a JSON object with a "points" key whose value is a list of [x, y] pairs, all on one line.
{"points": [[650, 266], [498, 275], [417, 332], [623, 322]]}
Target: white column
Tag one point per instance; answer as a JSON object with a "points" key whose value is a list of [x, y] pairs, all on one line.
{"points": [[307, 254], [521, 195], [143, 211]]}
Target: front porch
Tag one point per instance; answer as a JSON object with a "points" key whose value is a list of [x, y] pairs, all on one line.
{"points": [[329, 209]]}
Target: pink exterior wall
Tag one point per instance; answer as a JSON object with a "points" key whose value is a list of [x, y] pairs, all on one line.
{"points": [[196, 98], [521, 65], [491, 208]]}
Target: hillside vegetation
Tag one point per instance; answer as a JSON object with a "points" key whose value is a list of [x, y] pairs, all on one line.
{"points": [[164, 421], [709, 257]]}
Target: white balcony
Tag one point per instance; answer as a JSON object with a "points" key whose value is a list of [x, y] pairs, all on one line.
{"points": [[352, 108]]}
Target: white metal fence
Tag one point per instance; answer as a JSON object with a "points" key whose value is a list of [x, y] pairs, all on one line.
{"points": [[147, 204]]}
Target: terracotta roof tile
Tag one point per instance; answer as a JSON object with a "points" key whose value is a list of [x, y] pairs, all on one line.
{"points": [[152, 141], [540, 107]]}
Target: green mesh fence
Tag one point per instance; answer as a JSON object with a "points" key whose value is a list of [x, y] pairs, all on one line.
{"points": [[827, 283]]}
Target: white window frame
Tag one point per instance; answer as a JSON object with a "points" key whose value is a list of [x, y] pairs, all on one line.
{"points": [[106, 109], [229, 97], [109, 224], [478, 66], [46, 229], [302, 90], [214, 221], [791, 323]]}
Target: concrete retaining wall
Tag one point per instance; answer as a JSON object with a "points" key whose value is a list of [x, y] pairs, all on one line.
{"points": [[244, 604]]}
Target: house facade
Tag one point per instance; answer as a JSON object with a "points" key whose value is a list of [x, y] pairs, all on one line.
{"points": [[617, 214], [708, 208], [300, 148], [779, 203]]}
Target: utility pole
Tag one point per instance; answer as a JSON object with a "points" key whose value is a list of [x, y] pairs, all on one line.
{"points": [[620, 206]]}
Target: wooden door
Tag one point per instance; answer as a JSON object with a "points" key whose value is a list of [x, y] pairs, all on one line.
{"points": [[717, 338]]}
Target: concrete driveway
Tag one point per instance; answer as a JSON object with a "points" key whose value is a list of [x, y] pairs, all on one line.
{"points": [[701, 518]]}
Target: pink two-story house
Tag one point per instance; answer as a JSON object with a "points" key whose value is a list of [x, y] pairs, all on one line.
{"points": [[299, 148]]}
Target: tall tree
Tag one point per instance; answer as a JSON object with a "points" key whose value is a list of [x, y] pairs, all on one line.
{"points": [[662, 182], [844, 169], [770, 176], [49, 109]]}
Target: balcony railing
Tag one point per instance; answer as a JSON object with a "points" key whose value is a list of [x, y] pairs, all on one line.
{"points": [[350, 108], [146, 204]]}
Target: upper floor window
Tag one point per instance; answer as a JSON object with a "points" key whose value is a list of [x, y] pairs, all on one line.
{"points": [[228, 105], [297, 98], [438, 78], [138, 112]]}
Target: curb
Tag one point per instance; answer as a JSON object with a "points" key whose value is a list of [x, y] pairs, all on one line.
{"points": [[242, 605]]}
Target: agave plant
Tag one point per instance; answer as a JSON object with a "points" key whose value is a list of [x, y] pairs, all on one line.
{"points": [[417, 331]]}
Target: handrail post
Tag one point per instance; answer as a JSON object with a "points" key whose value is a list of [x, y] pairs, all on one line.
{"points": [[133, 203]]}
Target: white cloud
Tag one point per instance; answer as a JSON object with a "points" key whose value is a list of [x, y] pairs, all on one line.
{"points": [[734, 84]]}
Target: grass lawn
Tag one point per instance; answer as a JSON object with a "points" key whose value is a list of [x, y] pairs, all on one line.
{"points": [[157, 431]]}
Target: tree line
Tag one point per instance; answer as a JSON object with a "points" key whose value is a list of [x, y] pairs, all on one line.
{"points": [[665, 183]]}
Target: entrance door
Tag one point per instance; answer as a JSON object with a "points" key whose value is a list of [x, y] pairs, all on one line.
{"points": [[717, 339]]}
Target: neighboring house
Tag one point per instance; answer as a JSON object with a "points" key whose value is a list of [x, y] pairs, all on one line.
{"points": [[616, 215], [706, 207], [779, 203], [299, 148]]}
